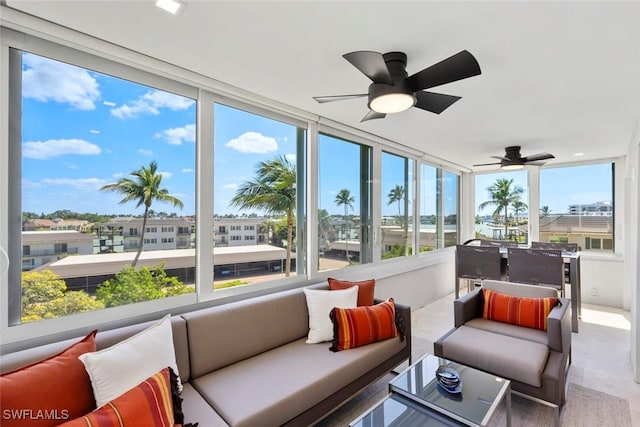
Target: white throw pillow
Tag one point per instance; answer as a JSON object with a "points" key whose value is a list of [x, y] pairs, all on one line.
{"points": [[117, 369], [319, 304]]}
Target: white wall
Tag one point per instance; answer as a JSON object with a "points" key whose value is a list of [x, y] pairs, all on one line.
{"points": [[603, 281]]}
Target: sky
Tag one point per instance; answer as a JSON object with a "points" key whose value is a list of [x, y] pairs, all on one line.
{"points": [[83, 129]]}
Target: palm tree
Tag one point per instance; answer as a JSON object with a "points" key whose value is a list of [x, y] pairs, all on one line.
{"points": [[273, 190], [545, 211], [519, 206], [344, 198], [145, 189], [396, 195], [502, 194]]}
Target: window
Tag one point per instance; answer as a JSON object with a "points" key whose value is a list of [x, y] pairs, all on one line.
{"points": [[502, 211], [576, 205], [428, 208], [151, 241], [26, 250], [344, 203], [82, 132], [396, 228], [450, 201], [167, 240], [257, 161], [221, 229], [167, 229]]}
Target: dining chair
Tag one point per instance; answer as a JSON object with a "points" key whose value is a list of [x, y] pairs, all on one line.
{"points": [[474, 263], [499, 243], [568, 247], [537, 267]]}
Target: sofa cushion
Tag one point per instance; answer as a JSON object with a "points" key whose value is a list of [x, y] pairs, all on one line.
{"points": [[147, 404], [59, 385], [197, 410], [521, 311], [320, 303], [245, 328], [366, 289], [274, 387], [126, 364], [508, 357], [355, 327]]}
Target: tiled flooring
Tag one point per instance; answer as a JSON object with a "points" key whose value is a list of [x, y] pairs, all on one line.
{"points": [[601, 350]]}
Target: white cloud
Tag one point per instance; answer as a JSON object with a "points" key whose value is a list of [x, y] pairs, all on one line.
{"points": [[291, 157], [230, 186], [145, 152], [151, 103], [176, 136], [58, 147], [253, 142], [118, 175], [166, 175], [78, 184], [46, 80], [109, 103], [94, 131], [187, 170]]}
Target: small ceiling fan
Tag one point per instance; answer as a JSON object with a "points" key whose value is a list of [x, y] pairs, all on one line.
{"points": [[393, 90], [513, 159]]}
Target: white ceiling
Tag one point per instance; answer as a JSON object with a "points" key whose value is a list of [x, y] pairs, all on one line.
{"points": [[561, 77]]}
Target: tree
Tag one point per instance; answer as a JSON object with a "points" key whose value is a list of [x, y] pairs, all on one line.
{"points": [[519, 206], [144, 189], [45, 295], [545, 211], [396, 195], [325, 227], [502, 194], [344, 198], [273, 190], [130, 286]]}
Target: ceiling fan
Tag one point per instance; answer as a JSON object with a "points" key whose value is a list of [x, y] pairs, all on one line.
{"points": [[513, 159], [393, 90]]}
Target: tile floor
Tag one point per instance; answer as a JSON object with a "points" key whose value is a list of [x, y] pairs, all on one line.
{"points": [[601, 350]]}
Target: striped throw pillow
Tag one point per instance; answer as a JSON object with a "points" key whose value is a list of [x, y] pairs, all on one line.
{"points": [[148, 404], [528, 312], [355, 327]]}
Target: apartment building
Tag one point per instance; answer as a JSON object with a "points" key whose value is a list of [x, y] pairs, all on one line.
{"points": [[241, 231], [123, 234], [42, 247]]}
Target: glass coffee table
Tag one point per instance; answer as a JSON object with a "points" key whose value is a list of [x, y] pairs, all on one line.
{"points": [[415, 397]]}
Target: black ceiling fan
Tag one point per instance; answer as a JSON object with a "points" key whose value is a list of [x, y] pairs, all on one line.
{"points": [[512, 159], [393, 90]]}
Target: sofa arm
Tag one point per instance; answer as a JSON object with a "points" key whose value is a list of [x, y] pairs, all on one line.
{"points": [[559, 327], [467, 307]]}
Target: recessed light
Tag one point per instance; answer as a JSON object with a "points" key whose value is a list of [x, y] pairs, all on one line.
{"points": [[578, 154], [171, 6]]}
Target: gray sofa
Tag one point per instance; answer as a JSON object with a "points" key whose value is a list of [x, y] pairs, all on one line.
{"points": [[246, 363], [537, 362]]}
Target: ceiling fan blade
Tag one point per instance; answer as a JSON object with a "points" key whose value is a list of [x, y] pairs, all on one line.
{"points": [[371, 64], [487, 164], [457, 67], [500, 158], [540, 156], [434, 102], [323, 99], [371, 115]]}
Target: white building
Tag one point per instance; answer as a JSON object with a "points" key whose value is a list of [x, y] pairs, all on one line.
{"points": [[240, 231], [41, 247], [160, 234]]}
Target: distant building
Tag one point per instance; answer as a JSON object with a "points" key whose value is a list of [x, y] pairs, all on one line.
{"points": [[123, 234], [42, 247], [592, 232], [240, 231], [592, 209]]}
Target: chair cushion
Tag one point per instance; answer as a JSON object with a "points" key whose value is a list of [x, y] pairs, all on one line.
{"points": [[505, 356], [521, 311]]}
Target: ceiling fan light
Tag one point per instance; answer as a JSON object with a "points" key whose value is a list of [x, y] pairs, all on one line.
{"points": [[512, 167], [392, 103]]}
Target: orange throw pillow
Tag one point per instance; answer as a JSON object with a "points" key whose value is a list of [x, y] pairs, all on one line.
{"points": [[50, 391], [528, 312], [148, 404], [355, 327], [365, 289]]}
